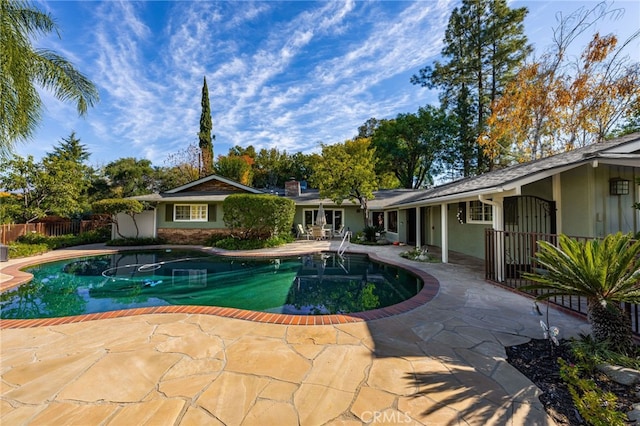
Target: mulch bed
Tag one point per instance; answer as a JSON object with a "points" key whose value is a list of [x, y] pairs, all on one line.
{"points": [[538, 361]]}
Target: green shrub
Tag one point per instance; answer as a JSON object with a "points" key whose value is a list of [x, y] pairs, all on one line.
{"points": [[231, 243], [17, 249], [590, 353], [370, 233], [213, 239], [33, 238], [596, 406], [257, 216], [61, 241]]}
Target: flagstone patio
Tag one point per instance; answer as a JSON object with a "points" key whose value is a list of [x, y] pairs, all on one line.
{"points": [[442, 363]]}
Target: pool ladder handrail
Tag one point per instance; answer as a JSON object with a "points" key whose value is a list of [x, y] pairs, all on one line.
{"points": [[343, 246]]}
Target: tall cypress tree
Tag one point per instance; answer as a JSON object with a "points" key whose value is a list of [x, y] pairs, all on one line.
{"points": [[484, 44], [205, 136]]}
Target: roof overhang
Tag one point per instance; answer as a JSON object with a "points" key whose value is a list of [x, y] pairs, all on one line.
{"points": [[218, 178], [163, 198]]}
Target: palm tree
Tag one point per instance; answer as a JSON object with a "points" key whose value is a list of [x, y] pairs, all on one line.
{"points": [[22, 68], [606, 272]]}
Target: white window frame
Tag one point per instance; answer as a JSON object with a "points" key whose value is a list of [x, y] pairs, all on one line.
{"points": [[487, 212], [315, 211], [197, 277], [195, 212]]}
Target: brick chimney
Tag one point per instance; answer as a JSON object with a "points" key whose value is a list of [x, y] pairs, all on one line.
{"points": [[292, 188]]}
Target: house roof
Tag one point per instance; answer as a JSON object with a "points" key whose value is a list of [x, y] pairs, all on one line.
{"points": [[183, 194], [189, 197], [623, 151], [211, 178], [382, 198], [620, 151]]}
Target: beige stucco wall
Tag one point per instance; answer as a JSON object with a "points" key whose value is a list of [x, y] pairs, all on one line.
{"points": [[588, 210], [145, 221], [542, 188], [466, 238]]}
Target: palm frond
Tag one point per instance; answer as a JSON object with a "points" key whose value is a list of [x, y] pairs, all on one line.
{"points": [[603, 270]]}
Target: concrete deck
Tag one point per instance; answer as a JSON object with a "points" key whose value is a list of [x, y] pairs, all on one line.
{"points": [[442, 363]]}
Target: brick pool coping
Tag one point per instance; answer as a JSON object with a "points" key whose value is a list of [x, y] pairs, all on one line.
{"points": [[428, 292]]}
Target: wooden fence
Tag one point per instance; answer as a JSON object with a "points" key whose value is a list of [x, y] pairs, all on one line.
{"points": [[9, 233], [509, 254]]}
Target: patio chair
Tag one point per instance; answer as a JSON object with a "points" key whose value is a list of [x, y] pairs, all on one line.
{"points": [[301, 232], [317, 232], [339, 233]]}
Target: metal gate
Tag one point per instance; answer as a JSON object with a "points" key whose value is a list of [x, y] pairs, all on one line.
{"points": [[525, 215]]}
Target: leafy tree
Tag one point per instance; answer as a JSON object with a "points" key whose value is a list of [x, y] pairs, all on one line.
{"points": [[10, 208], [113, 206], [205, 136], [251, 216], [303, 166], [55, 186], [410, 145], [368, 128], [268, 168], [606, 272], [128, 177], [557, 103], [235, 167], [484, 43], [28, 180], [23, 67], [239, 151], [631, 123], [346, 171], [182, 167]]}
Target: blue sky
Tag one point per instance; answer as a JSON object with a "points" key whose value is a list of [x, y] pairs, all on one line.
{"points": [[288, 75]]}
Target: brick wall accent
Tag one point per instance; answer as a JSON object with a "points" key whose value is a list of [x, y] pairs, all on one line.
{"points": [[189, 236], [292, 188]]}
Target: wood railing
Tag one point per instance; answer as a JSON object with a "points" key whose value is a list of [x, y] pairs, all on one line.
{"points": [[509, 254], [10, 232]]}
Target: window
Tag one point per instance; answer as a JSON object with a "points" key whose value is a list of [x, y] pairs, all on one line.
{"points": [[479, 212], [190, 212], [194, 277], [392, 223], [333, 217], [378, 220]]}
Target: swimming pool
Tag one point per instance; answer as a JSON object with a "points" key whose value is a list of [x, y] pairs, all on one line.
{"points": [[315, 284]]}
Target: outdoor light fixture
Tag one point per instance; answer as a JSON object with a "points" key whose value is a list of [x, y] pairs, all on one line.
{"points": [[618, 186]]}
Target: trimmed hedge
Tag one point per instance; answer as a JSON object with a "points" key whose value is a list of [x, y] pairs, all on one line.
{"points": [[258, 217]]}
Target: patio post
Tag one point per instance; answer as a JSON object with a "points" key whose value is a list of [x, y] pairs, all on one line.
{"points": [[444, 223]]}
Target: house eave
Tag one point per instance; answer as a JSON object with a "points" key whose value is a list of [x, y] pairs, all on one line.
{"points": [[218, 178]]}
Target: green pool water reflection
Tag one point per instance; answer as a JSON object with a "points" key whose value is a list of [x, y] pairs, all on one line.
{"points": [[323, 283]]}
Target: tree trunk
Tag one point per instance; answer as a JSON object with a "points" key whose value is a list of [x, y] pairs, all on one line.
{"points": [[610, 323]]}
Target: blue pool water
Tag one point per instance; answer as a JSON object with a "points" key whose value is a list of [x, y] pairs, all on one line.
{"points": [[316, 284]]}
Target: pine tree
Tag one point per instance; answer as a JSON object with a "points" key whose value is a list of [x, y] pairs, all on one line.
{"points": [[205, 136], [484, 43]]}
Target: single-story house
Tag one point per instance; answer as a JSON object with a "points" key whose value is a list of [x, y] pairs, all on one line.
{"points": [[188, 214], [587, 192]]}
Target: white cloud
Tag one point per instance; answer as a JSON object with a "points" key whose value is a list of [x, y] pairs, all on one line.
{"points": [[304, 78]]}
